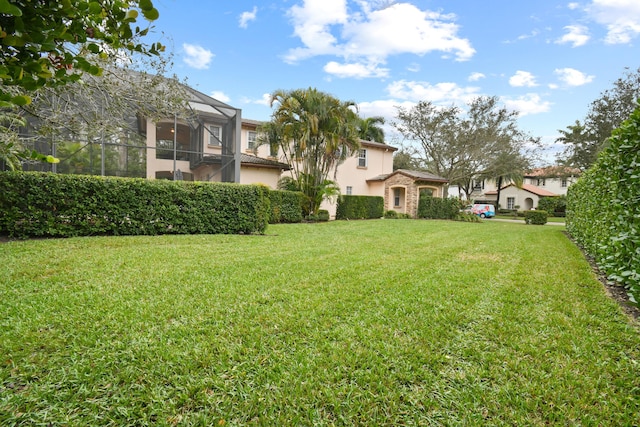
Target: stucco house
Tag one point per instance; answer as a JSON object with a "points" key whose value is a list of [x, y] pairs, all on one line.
{"points": [[216, 145], [550, 181]]}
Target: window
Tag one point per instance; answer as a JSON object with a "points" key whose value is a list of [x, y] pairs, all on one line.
{"points": [[252, 138], [215, 135], [396, 197], [541, 182], [478, 184], [273, 150], [164, 141], [349, 190], [362, 158], [511, 202], [564, 182]]}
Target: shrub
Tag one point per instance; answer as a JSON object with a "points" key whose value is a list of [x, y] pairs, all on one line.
{"points": [[359, 207], [286, 206], [536, 217], [391, 214], [603, 207], [51, 205], [323, 215], [467, 217], [437, 208], [555, 205]]}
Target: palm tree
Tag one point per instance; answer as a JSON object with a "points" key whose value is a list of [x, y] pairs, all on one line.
{"points": [[315, 132], [507, 167], [370, 130]]}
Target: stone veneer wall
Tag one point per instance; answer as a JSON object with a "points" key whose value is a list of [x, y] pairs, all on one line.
{"points": [[412, 192]]}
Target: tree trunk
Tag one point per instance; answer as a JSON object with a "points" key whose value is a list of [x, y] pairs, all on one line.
{"points": [[499, 184]]}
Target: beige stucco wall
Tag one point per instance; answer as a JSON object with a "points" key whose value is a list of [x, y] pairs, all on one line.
{"points": [[553, 184], [379, 162], [266, 176], [520, 196]]}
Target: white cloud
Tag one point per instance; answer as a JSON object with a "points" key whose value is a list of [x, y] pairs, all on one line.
{"points": [[414, 68], [530, 103], [265, 100], [370, 35], [356, 70], [246, 17], [197, 56], [474, 77], [573, 6], [522, 79], [577, 35], [573, 77], [620, 17], [220, 96], [440, 93]]}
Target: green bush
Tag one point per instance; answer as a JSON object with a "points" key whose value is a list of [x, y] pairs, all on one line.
{"points": [[359, 207], [554, 205], [603, 207], [52, 205], [437, 208], [391, 214], [286, 206], [323, 215], [536, 217]]}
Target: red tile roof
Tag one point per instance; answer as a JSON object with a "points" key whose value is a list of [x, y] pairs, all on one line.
{"points": [[527, 187]]}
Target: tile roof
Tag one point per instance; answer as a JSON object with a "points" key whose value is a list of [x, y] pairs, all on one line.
{"points": [[416, 175], [375, 144], [553, 172], [246, 159], [527, 187]]}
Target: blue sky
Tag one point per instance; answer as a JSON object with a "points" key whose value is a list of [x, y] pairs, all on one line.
{"points": [[546, 59]]}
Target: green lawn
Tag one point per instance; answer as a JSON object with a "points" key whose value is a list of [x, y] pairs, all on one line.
{"points": [[386, 322]]}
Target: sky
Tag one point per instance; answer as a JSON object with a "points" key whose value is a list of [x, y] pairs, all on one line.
{"points": [[546, 59]]}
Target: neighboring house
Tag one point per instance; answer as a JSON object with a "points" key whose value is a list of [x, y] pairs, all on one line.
{"points": [[551, 181], [525, 197]]}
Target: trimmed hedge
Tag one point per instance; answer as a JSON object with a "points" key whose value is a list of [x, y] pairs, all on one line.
{"points": [[603, 207], [360, 207], [437, 208], [286, 206], [52, 205], [536, 217], [554, 205]]}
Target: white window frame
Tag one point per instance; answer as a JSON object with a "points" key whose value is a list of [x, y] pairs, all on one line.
{"points": [[564, 183], [349, 190], [252, 140], [362, 158], [215, 131], [511, 202]]}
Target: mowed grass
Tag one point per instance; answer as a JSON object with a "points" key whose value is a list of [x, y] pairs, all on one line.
{"points": [[389, 322]]}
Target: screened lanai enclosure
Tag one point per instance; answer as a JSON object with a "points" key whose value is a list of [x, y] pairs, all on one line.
{"points": [[115, 134]]}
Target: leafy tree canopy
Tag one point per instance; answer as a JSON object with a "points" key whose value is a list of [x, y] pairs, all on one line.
{"points": [[50, 43], [584, 140], [481, 141]]}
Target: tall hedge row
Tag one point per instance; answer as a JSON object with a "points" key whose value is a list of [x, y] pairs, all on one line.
{"points": [[286, 206], [603, 207], [437, 208], [359, 207], [53, 205]]}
